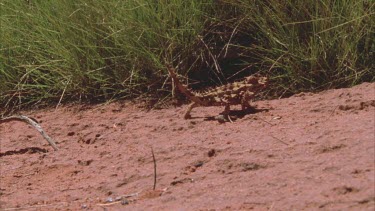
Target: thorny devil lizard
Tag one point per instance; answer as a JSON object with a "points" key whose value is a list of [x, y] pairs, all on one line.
{"points": [[234, 93]]}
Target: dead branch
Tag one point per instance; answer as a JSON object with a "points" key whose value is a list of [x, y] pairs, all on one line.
{"points": [[33, 123], [154, 160]]}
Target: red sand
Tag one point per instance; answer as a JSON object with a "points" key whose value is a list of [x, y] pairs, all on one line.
{"points": [[306, 152]]}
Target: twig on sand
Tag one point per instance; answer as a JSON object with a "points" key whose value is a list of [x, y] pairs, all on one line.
{"points": [[33, 123], [120, 199], [36, 207], [153, 158], [125, 199], [279, 140]]}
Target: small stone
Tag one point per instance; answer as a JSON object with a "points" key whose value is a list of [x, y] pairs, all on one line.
{"points": [[198, 164], [124, 202], [109, 200], [211, 153]]}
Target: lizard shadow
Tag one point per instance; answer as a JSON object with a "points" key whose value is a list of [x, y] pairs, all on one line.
{"points": [[236, 114]]}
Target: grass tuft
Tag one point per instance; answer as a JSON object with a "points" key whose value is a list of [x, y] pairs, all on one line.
{"points": [[75, 50]]}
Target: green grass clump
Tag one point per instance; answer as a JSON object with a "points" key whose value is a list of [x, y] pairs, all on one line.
{"points": [[310, 45], [53, 51], [92, 50]]}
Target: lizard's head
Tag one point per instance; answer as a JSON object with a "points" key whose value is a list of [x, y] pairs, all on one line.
{"points": [[258, 81]]}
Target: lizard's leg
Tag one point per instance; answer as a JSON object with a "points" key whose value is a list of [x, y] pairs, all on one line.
{"points": [[245, 105], [226, 113], [191, 106], [227, 109], [245, 100]]}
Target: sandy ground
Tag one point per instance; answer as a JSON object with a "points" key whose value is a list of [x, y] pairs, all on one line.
{"points": [[306, 152]]}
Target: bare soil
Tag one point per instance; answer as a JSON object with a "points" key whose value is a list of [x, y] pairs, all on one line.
{"points": [[305, 152]]}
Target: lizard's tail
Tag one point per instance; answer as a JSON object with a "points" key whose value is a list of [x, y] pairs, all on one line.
{"points": [[177, 82], [181, 87]]}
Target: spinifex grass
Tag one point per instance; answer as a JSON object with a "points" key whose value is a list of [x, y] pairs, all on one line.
{"points": [[52, 51], [311, 45]]}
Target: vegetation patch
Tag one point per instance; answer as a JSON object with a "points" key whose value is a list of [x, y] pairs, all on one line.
{"points": [[92, 51]]}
